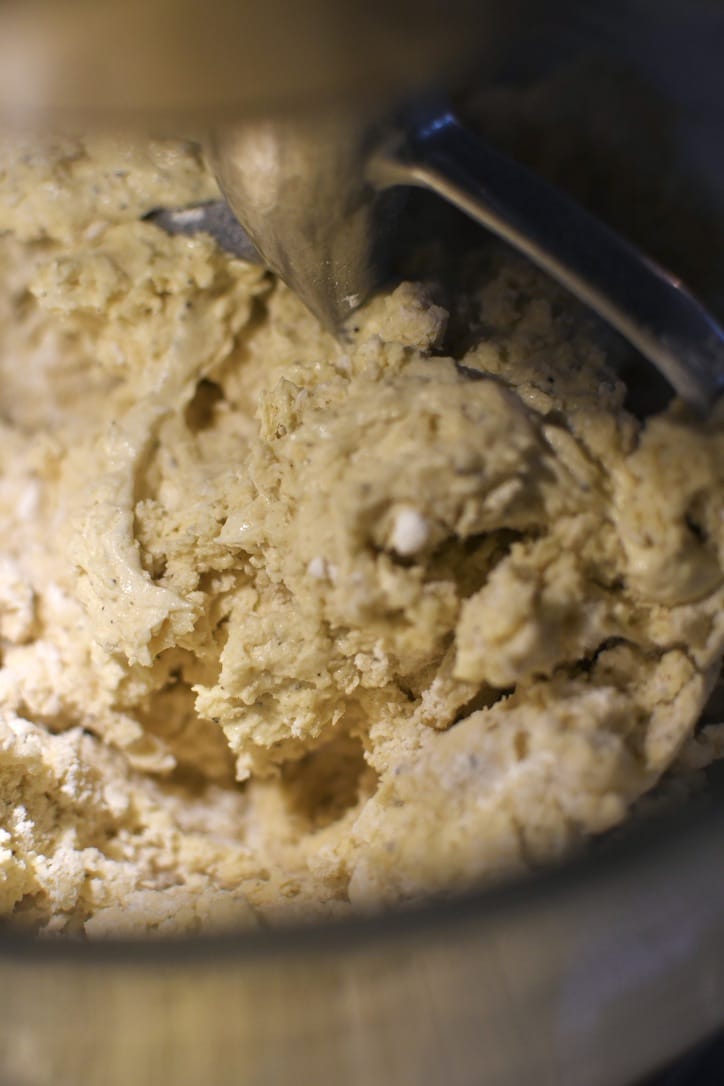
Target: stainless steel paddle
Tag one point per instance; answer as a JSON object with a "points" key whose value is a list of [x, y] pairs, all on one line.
{"points": [[316, 197]]}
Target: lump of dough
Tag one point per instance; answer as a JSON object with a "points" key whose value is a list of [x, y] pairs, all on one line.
{"points": [[291, 627]]}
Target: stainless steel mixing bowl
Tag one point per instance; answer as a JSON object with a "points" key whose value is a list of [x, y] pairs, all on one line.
{"points": [[589, 975]]}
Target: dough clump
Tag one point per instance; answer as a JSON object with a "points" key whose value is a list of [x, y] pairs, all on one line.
{"points": [[290, 627]]}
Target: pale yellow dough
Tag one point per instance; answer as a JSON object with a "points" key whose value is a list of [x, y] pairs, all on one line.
{"points": [[291, 627]]}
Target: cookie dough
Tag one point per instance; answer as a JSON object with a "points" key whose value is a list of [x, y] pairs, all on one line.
{"points": [[291, 627]]}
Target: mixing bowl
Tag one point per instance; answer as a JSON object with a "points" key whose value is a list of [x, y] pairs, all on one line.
{"points": [[590, 974], [587, 976]]}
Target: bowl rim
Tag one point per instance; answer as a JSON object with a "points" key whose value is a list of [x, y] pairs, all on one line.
{"points": [[639, 850]]}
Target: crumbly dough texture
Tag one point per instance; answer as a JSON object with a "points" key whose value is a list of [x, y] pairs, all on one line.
{"points": [[292, 627]]}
